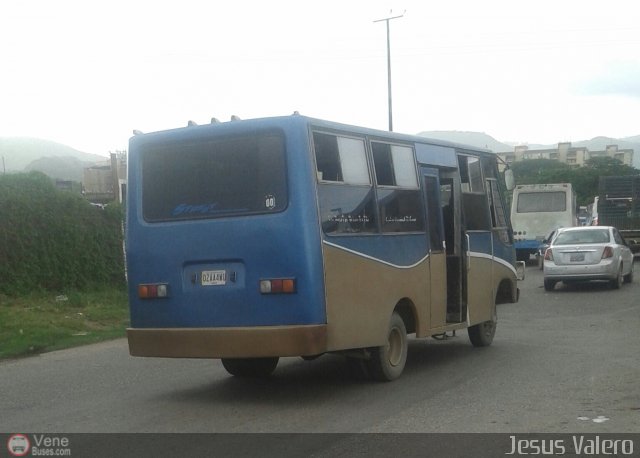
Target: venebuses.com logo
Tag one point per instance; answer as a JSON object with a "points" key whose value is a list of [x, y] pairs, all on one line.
{"points": [[18, 445], [38, 445]]}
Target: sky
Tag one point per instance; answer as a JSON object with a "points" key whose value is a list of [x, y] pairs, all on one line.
{"points": [[86, 73]]}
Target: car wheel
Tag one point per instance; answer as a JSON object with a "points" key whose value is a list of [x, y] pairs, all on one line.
{"points": [[629, 277], [616, 283], [549, 285]]}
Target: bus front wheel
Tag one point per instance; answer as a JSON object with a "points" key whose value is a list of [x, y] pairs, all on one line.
{"points": [[387, 362], [481, 334], [250, 367]]}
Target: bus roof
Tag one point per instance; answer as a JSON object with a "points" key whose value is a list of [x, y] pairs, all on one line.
{"points": [[542, 187], [439, 146]]}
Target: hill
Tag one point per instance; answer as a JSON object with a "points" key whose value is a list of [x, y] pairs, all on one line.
{"points": [[62, 168], [477, 139], [19, 152]]}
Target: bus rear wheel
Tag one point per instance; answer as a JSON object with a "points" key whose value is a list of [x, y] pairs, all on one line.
{"points": [[250, 367], [481, 334], [387, 362]]}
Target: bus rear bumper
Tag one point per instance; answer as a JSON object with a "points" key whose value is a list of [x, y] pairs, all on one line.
{"points": [[245, 342]]}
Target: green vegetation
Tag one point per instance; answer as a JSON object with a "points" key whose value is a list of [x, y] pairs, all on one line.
{"points": [[39, 322], [61, 268], [53, 240], [584, 179]]}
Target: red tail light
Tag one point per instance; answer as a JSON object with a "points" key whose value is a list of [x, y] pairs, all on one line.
{"points": [[548, 255], [607, 253], [152, 291], [278, 286]]}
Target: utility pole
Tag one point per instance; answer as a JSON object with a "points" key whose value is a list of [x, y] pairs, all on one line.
{"points": [[389, 66]]}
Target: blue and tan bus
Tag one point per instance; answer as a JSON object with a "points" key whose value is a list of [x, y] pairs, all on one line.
{"points": [[252, 240]]}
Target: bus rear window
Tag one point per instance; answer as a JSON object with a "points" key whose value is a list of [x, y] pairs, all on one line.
{"points": [[531, 202], [211, 179]]}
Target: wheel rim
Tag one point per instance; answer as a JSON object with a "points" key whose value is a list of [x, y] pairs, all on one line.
{"points": [[394, 347]]}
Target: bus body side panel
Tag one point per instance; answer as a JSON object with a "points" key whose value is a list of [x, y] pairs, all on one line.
{"points": [[504, 258], [502, 272], [362, 292], [486, 272], [480, 296]]}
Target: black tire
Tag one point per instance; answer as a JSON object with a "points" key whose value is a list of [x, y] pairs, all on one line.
{"points": [[549, 285], [616, 283], [481, 334], [386, 363], [250, 367], [629, 277]]}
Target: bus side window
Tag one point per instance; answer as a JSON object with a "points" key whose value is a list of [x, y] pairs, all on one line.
{"points": [[475, 205], [327, 157], [341, 159], [489, 168], [345, 193], [498, 215], [399, 199], [470, 173]]}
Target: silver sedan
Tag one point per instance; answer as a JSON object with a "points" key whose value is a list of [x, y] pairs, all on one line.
{"points": [[588, 253]]}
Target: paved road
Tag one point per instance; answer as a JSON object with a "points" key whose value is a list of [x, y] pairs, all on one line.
{"points": [[565, 361]]}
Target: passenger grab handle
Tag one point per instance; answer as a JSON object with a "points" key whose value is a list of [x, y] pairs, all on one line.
{"points": [[468, 252]]}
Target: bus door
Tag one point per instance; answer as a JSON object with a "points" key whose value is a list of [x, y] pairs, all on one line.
{"points": [[477, 241], [437, 252]]}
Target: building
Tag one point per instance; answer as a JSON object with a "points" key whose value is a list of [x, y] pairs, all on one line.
{"points": [[105, 181], [574, 156]]}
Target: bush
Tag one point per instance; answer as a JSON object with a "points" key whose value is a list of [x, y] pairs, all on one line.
{"points": [[52, 239]]}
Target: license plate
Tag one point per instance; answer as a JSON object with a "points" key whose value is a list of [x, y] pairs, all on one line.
{"points": [[213, 277], [576, 257]]}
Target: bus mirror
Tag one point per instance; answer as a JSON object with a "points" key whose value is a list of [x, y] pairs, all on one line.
{"points": [[509, 180]]}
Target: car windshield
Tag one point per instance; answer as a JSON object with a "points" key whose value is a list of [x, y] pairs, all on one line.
{"points": [[587, 236]]}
